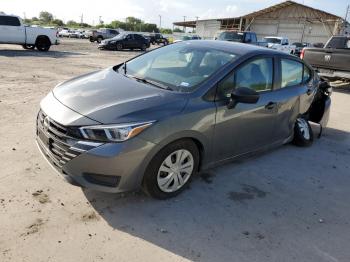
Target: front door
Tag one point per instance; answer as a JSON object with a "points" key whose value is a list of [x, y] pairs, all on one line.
{"points": [[246, 127], [11, 30]]}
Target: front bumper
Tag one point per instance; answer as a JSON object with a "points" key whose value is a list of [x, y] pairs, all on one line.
{"points": [[108, 167]]}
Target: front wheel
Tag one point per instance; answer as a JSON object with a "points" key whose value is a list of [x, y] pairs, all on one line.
{"points": [[171, 169], [119, 47], [303, 135]]}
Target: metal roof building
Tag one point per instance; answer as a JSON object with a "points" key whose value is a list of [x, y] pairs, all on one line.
{"points": [[298, 22]]}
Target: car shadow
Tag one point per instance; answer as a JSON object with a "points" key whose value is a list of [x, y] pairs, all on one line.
{"points": [[242, 209], [32, 53]]}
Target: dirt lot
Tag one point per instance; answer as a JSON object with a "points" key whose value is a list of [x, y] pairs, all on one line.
{"points": [[291, 204]]}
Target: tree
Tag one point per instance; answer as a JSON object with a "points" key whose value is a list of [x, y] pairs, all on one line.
{"points": [[57, 22], [72, 23], [45, 16], [166, 31]]}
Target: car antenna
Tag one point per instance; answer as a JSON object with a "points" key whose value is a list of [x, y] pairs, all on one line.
{"points": [[124, 68]]}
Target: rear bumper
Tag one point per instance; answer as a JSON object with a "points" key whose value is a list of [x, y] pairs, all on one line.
{"points": [[333, 74]]}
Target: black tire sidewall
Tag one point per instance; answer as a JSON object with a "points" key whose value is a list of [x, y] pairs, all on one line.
{"points": [[299, 139], [150, 184], [43, 44], [119, 47]]}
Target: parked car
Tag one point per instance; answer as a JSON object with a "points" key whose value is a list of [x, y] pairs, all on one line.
{"points": [[299, 47], [241, 37], [187, 38], [332, 61], [159, 118], [280, 44], [103, 33], [64, 33], [13, 31], [156, 38], [125, 41]]}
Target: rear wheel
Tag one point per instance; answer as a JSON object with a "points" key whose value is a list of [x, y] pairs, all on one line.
{"points": [[171, 169], [303, 135], [43, 44]]}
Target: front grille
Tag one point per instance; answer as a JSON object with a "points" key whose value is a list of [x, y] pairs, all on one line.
{"points": [[55, 140]]}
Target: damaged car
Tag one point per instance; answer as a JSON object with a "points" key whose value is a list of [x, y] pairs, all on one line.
{"points": [[158, 119]]}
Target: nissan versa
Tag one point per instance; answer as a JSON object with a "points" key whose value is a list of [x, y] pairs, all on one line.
{"points": [[157, 119]]}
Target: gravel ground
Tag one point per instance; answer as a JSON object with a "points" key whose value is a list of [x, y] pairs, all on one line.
{"points": [[289, 204]]}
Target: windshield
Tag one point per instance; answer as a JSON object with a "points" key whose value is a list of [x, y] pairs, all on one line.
{"points": [[181, 67], [272, 40], [298, 44], [120, 36], [231, 36]]}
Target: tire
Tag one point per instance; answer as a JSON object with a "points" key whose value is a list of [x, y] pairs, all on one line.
{"points": [[91, 39], [43, 44], [143, 47], [99, 39], [153, 43], [303, 135], [28, 46], [119, 47], [163, 177]]}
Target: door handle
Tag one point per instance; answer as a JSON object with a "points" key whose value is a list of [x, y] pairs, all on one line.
{"points": [[271, 105]]}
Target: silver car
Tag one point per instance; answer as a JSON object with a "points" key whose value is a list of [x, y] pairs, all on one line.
{"points": [[158, 119]]}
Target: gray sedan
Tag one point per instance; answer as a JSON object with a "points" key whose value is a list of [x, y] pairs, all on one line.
{"points": [[158, 119]]}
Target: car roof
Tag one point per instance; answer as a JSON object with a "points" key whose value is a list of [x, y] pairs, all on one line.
{"points": [[233, 47]]}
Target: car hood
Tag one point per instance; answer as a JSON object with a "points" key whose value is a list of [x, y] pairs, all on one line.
{"points": [[110, 98]]}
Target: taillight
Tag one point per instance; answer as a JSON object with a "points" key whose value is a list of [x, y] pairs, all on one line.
{"points": [[302, 54]]}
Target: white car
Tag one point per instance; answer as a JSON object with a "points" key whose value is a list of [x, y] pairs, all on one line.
{"points": [[64, 33], [280, 44], [13, 31]]}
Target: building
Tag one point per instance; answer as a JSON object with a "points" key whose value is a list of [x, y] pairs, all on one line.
{"points": [[300, 23]]}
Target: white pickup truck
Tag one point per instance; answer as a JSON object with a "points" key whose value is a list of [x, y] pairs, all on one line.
{"points": [[13, 31], [280, 44]]}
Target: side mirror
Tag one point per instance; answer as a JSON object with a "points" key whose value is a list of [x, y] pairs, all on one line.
{"points": [[243, 95]]}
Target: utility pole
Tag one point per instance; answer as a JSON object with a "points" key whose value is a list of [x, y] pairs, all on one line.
{"points": [[184, 27], [160, 22], [345, 23], [81, 19], [100, 19]]}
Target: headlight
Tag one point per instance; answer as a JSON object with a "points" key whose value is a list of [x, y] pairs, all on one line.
{"points": [[114, 133]]}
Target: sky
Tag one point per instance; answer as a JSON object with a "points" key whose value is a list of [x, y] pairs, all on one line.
{"points": [[150, 10]]}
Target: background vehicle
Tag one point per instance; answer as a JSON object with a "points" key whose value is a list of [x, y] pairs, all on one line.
{"points": [[157, 119], [157, 38], [280, 44], [241, 37], [13, 31], [103, 33], [187, 38], [125, 41], [332, 61], [64, 33], [300, 46]]}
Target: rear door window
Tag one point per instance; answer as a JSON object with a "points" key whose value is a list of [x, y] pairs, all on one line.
{"points": [[9, 21], [292, 72]]}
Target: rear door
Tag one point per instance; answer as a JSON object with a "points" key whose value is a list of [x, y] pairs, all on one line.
{"points": [[11, 30], [246, 127], [294, 94]]}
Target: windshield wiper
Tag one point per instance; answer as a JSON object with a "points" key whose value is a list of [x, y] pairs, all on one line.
{"points": [[151, 82]]}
